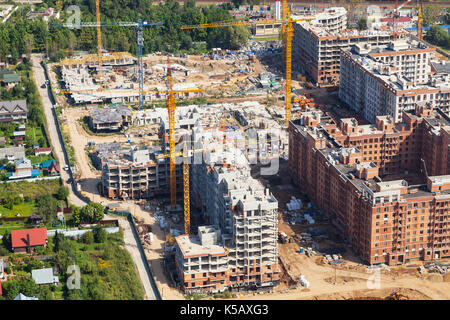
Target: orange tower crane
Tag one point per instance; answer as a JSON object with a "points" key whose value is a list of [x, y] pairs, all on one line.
{"points": [[287, 30]]}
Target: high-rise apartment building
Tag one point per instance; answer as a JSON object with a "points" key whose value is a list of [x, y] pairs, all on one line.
{"points": [[317, 44], [385, 80], [237, 249], [386, 186]]}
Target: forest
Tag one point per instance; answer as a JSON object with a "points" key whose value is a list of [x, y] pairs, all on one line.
{"points": [[25, 36]]}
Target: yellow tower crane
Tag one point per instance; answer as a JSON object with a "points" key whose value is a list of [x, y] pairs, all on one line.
{"points": [[187, 204], [287, 33], [99, 40], [420, 21]]}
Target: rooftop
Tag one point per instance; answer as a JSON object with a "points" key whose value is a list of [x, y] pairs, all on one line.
{"points": [[109, 115], [191, 246], [36, 237], [44, 276]]}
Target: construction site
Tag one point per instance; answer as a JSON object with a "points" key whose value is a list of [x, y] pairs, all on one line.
{"points": [[211, 181]]}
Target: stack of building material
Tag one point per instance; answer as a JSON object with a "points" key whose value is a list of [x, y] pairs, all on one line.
{"points": [[294, 204], [303, 281], [309, 219], [175, 232]]}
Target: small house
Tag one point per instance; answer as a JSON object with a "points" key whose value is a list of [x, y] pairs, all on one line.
{"points": [[23, 169], [42, 151], [18, 137], [35, 219], [44, 276], [8, 78], [21, 296], [25, 240], [50, 167]]}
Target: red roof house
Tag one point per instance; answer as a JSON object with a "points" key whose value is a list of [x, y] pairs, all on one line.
{"points": [[41, 151], [26, 240]]}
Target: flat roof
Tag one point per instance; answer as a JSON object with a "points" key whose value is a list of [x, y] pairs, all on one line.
{"points": [[191, 247]]}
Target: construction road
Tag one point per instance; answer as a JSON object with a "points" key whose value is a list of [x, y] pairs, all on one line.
{"points": [[131, 245], [50, 116]]}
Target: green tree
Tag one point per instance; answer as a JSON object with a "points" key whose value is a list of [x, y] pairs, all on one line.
{"points": [[438, 36], [362, 23], [46, 207], [3, 175], [44, 293], [13, 287], [34, 264], [76, 215], [99, 234], [430, 14], [88, 237], [92, 212], [41, 141], [63, 193]]}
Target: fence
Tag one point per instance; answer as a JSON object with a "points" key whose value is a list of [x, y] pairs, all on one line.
{"points": [[32, 179], [14, 219], [61, 139], [141, 250], [118, 213]]}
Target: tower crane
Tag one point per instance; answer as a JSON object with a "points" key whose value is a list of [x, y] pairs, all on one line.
{"points": [[140, 39], [287, 33], [187, 204], [395, 16], [420, 21]]}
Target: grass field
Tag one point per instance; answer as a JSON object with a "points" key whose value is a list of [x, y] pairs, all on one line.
{"points": [[35, 134], [24, 209], [39, 159]]}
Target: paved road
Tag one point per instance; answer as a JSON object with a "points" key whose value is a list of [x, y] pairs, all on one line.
{"points": [[55, 141], [132, 247]]}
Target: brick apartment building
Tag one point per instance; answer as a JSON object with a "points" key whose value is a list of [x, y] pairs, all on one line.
{"points": [[317, 44], [371, 179]]}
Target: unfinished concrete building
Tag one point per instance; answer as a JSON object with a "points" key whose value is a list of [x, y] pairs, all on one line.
{"points": [[119, 83], [237, 250], [109, 119], [372, 182], [385, 80], [135, 173], [317, 44]]}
